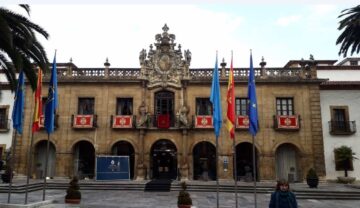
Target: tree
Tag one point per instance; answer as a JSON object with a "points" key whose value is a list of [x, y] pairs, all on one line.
{"points": [[344, 156], [350, 37], [19, 46]]}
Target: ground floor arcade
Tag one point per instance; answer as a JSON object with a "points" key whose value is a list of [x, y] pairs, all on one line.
{"points": [[165, 159]]}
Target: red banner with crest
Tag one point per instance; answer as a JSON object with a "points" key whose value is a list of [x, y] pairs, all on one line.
{"points": [[204, 122], [83, 121], [287, 122], [122, 122], [242, 122]]}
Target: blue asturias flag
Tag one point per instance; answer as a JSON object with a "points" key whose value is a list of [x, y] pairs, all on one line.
{"points": [[253, 114], [215, 99], [18, 111], [52, 100]]}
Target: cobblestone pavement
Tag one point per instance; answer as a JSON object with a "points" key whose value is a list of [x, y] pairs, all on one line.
{"points": [[140, 199]]}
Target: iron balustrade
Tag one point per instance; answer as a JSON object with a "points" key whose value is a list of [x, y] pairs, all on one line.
{"points": [[342, 127]]}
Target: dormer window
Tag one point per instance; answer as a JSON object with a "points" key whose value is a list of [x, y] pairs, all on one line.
{"points": [[353, 63]]}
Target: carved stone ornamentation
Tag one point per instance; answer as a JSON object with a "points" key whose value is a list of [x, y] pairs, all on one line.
{"points": [[164, 66]]}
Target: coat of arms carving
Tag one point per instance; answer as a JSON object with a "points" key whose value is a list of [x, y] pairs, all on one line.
{"points": [[165, 66]]}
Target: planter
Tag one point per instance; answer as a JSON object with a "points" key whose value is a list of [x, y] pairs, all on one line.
{"points": [[312, 182], [72, 201], [346, 180], [184, 206], [5, 178]]}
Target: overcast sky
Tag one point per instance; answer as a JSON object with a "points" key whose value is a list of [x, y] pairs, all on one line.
{"points": [[89, 33]]}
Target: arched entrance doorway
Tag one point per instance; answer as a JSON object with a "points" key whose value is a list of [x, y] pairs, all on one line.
{"points": [[124, 148], [84, 159], [164, 109], [286, 158], [204, 161], [40, 159], [244, 162], [164, 160]]}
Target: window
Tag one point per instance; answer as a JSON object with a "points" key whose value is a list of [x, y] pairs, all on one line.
{"points": [[353, 63], [43, 102], [124, 106], [203, 106], [340, 119], [4, 109], [86, 106], [241, 106], [285, 106]]}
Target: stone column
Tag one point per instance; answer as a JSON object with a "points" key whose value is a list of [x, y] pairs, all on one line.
{"points": [[316, 131], [267, 166], [63, 165], [184, 166], [140, 163]]}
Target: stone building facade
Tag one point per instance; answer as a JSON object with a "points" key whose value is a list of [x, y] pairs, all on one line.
{"points": [[160, 116]]}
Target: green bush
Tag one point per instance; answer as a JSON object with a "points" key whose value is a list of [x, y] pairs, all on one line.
{"points": [[73, 191], [344, 156], [312, 174], [184, 197]]}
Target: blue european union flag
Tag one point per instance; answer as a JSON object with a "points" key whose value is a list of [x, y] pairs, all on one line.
{"points": [[52, 100], [253, 114], [215, 99], [18, 110]]}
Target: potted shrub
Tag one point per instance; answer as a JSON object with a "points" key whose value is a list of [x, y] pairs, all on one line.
{"points": [[184, 199], [73, 195], [312, 178], [5, 177], [344, 156], [39, 171]]}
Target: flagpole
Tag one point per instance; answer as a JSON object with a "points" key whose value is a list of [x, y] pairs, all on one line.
{"points": [[217, 173], [235, 172], [46, 165], [217, 120], [12, 161], [29, 166], [254, 169], [233, 126], [253, 118]]}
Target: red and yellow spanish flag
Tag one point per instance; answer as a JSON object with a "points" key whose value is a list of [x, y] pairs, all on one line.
{"points": [[230, 123], [38, 103]]}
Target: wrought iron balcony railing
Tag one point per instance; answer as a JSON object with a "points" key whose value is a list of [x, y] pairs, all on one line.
{"points": [[342, 127]]}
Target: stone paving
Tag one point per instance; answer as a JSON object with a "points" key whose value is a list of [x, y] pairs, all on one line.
{"points": [[141, 199]]}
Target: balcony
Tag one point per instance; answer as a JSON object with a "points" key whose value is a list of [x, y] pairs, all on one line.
{"points": [[162, 121], [84, 121], [287, 122], [203, 122], [122, 121], [342, 127], [242, 122], [42, 121], [4, 125]]}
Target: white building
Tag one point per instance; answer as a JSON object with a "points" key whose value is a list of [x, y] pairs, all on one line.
{"points": [[6, 107], [340, 102]]}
